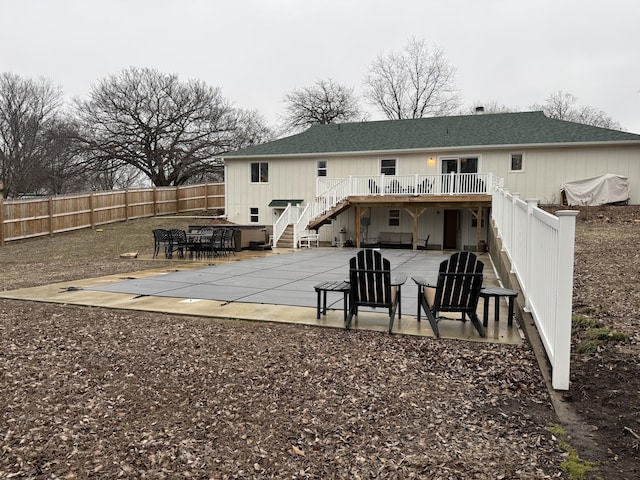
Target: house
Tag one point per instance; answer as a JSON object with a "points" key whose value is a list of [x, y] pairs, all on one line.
{"points": [[420, 183]]}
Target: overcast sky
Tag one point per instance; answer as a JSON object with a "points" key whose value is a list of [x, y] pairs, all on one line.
{"points": [[510, 51]]}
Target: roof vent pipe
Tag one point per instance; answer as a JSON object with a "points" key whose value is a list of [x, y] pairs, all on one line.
{"points": [[479, 110]]}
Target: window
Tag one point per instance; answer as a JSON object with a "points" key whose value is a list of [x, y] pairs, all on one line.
{"points": [[469, 165], [259, 172], [388, 166], [474, 222], [517, 162], [322, 168], [254, 216], [460, 165], [394, 218], [466, 181]]}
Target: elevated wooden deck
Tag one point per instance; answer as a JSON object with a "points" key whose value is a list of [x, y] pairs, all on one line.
{"points": [[414, 204]]}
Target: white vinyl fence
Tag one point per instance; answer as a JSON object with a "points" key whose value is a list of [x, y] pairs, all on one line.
{"points": [[540, 247]]}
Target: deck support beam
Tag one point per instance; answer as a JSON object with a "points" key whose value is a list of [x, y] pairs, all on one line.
{"points": [[415, 214]]}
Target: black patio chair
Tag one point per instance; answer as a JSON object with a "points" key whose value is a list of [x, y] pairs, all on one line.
{"points": [[457, 290], [425, 187], [372, 285], [161, 238], [229, 240], [218, 241], [394, 187], [179, 242], [373, 187], [200, 244]]}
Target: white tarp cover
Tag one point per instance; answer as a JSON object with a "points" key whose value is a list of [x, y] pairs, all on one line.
{"points": [[608, 188]]}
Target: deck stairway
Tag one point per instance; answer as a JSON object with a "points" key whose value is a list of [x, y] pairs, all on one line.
{"points": [[329, 215], [286, 240]]}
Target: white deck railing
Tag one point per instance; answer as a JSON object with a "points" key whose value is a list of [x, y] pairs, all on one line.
{"points": [[540, 247], [331, 191]]}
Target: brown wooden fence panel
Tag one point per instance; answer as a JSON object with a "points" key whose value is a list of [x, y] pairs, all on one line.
{"points": [[26, 218], [215, 196], [192, 198], [140, 203], [109, 207], [166, 201], [33, 217], [70, 213]]}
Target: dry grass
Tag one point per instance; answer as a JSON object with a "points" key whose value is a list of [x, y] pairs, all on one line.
{"points": [[85, 253]]}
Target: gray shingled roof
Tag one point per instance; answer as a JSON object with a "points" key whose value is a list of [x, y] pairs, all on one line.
{"points": [[524, 128]]}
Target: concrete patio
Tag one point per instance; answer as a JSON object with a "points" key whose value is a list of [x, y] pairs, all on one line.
{"points": [[273, 286]]}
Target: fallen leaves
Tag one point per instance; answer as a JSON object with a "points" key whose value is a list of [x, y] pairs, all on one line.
{"points": [[133, 394]]}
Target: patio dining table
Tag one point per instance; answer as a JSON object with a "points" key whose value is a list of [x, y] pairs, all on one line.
{"points": [[196, 237], [197, 240]]}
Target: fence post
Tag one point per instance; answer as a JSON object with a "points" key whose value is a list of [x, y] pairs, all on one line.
{"points": [[2, 235], [531, 204], [562, 339], [513, 247], [155, 201], [50, 221], [126, 205], [92, 219]]}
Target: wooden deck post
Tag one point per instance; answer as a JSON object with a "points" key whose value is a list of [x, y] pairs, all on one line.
{"points": [[478, 229], [415, 214], [357, 228]]}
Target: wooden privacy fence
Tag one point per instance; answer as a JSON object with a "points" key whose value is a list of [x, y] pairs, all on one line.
{"points": [[33, 217]]}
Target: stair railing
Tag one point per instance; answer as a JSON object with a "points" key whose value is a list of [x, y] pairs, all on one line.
{"points": [[329, 198], [301, 224], [290, 215]]}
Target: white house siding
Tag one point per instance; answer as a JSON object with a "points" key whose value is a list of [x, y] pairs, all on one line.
{"points": [[545, 170], [288, 179], [296, 179]]}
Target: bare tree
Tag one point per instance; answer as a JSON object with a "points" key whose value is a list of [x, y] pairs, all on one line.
{"points": [[251, 129], [111, 175], [322, 103], [60, 170], [27, 108], [414, 83], [563, 106], [171, 131]]}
